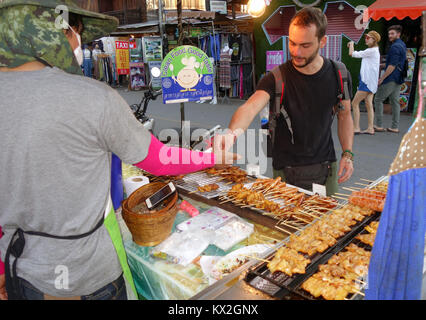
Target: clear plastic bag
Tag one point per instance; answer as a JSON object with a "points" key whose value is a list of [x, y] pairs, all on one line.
{"points": [[210, 219], [235, 230], [183, 247]]}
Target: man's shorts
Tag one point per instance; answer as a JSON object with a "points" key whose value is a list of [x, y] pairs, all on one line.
{"points": [[331, 184]]}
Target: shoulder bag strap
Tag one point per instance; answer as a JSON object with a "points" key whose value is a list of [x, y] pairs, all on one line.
{"points": [[278, 102], [342, 83]]}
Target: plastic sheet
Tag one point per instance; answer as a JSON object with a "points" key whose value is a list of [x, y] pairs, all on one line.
{"points": [[160, 279]]}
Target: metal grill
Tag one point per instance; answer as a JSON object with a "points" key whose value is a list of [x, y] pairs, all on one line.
{"points": [[192, 181], [278, 283]]}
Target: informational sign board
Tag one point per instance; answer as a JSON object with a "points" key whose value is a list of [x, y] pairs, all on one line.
{"points": [[273, 59], [186, 75], [152, 49], [122, 57], [137, 75], [218, 6], [135, 46], [155, 82]]}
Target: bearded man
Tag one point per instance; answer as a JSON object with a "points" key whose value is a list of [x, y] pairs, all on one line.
{"points": [[303, 150]]}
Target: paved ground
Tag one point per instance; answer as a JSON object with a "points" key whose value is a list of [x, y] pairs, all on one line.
{"points": [[373, 154]]}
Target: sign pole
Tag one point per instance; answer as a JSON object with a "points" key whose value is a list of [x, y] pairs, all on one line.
{"points": [[182, 105]]}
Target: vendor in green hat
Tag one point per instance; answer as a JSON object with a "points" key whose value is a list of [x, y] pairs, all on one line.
{"points": [[58, 129]]}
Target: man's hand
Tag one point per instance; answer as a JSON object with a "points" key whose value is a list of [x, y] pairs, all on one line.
{"points": [[227, 139], [350, 43], [3, 293], [346, 168], [380, 81], [223, 157], [221, 145]]}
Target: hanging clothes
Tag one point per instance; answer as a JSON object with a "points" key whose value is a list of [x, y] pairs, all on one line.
{"points": [[235, 45], [225, 70], [235, 77], [87, 63], [247, 79], [246, 47], [241, 82]]}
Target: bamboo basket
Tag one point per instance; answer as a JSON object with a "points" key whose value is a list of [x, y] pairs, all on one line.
{"points": [[149, 229]]}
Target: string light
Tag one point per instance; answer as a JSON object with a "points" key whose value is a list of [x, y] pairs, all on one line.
{"points": [[256, 8]]}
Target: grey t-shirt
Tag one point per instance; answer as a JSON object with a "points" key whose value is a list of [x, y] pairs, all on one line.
{"points": [[57, 132]]}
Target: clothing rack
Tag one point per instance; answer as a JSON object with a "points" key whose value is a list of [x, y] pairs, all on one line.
{"points": [[105, 68]]}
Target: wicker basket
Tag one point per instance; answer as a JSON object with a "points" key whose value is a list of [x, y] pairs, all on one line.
{"points": [[151, 228]]}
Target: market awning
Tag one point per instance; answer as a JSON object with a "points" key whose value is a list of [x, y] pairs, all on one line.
{"points": [[399, 9]]}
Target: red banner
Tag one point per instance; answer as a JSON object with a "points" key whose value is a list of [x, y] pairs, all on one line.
{"points": [[122, 57]]}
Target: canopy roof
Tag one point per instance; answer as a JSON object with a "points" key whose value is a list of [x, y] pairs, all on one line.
{"points": [[399, 9]]}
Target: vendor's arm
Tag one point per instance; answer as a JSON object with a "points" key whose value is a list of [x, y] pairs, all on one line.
{"points": [[165, 160], [122, 134], [345, 131]]}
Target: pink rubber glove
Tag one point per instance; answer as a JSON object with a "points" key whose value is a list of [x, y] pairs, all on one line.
{"points": [[163, 160]]}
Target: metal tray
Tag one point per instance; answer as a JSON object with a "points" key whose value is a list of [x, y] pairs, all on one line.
{"points": [[284, 283]]}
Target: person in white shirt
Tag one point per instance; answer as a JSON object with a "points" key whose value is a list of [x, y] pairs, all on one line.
{"points": [[368, 82], [96, 52]]}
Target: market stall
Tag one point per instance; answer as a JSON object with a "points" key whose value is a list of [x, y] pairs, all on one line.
{"points": [[287, 240]]}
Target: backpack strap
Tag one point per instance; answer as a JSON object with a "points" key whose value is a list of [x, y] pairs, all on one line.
{"points": [[278, 105], [342, 83]]}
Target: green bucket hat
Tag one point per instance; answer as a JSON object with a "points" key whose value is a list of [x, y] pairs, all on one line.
{"points": [[32, 30]]}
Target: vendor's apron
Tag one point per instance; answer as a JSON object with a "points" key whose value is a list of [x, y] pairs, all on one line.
{"points": [[17, 244]]}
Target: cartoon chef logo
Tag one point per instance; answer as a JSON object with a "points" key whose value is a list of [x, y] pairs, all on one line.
{"points": [[188, 77]]}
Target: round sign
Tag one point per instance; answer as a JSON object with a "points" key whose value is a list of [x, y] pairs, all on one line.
{"points": [[187, 75]]}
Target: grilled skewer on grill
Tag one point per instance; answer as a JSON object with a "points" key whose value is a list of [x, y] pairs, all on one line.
{"points": [[208, 187]]}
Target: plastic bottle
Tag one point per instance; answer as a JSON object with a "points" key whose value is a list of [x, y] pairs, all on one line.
{"points": [[186, 206], [264, 116]]}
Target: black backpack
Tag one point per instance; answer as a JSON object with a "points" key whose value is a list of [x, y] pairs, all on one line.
{"points": [[276, 106]]}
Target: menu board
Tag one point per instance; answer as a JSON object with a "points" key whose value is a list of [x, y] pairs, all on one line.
{"points": [[152, 49]]}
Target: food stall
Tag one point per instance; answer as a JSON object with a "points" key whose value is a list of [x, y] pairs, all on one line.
{"points": [[258, 238]]}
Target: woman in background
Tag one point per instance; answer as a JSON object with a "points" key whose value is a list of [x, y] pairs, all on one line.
{"points": [[369, 76]]}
